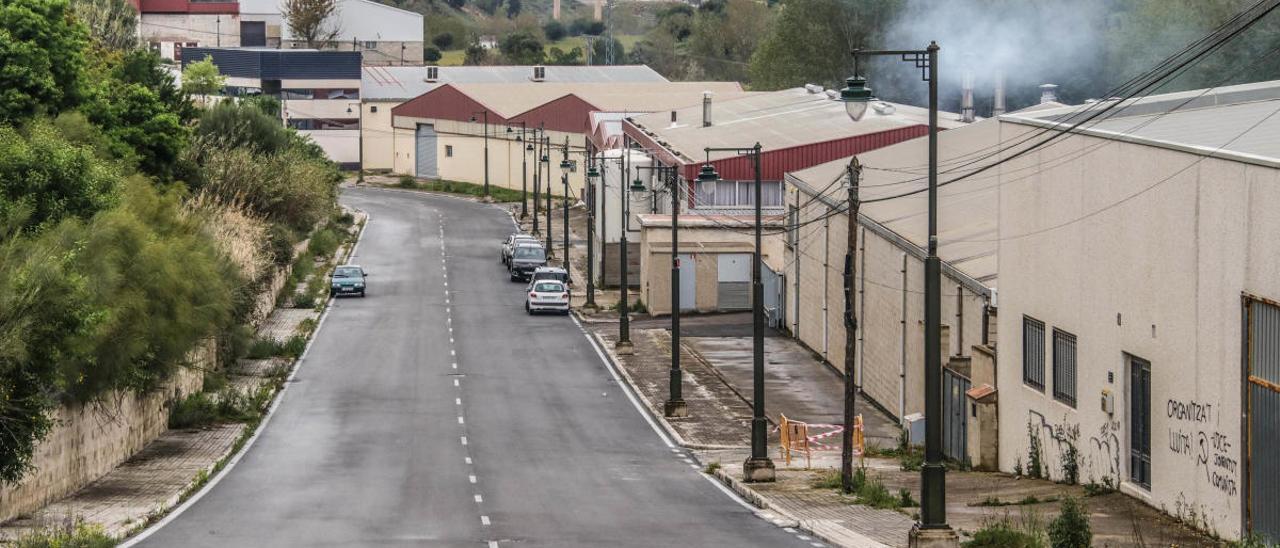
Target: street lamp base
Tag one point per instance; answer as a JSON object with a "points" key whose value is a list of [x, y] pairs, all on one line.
{"points": [[623, 348], [487, 199], [675, 409], [589, 308], [758, 470], [941, 537]]}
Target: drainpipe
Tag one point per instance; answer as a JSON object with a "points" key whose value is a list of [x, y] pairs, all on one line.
{"points": [[862, 299], [902, 351], [959, 320]]}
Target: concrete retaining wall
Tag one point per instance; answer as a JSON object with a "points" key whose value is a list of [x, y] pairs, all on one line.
{"points": [[90, 440]]}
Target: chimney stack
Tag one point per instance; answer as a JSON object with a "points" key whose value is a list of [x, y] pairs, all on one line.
{"points": [[966, 98], [1048, 93], [997, 107], [706, 109]]}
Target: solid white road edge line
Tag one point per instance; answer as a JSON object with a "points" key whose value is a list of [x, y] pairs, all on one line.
{"points": [[617, 379], [271, 412]]}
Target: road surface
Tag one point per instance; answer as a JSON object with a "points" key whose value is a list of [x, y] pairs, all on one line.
{"points": [[381, 440]]}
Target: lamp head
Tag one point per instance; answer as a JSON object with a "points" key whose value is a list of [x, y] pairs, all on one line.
{"points": [[545, 159], [637, 185], [593, 173], [565, 166], [855, 96], [708, 174]]}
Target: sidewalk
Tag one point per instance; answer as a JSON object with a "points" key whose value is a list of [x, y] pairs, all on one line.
{"points": [[149, 484]]}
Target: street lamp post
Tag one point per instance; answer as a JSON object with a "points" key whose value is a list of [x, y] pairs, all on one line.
{"points": [[525, 147], [759, 467], [623, 347], [486, 147], [675, 405], [546, 164], [592, 176], [565, 167], [359, 139], [536, 145], [932, 529]]}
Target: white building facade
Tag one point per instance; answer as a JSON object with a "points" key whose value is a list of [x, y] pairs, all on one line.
{"points": [[1139, 279]]}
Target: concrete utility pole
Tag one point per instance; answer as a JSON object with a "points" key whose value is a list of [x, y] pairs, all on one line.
{"points": [[546, 162], [592, 176], [850, 329]]}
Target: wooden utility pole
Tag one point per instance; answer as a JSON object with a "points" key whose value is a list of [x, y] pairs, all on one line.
{"points": [[854, 171]]}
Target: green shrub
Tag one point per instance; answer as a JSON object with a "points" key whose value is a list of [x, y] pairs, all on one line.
{"points": [[262, 349], [1002, 533], [1071, 528], [44, 178], [193, 411], [873, 493], [290, 186], [826, 479], [281, 240], [407, 181], [304, 300], [294, 347], [323, 243], [80, 535], [344, 219], [905, 500]]}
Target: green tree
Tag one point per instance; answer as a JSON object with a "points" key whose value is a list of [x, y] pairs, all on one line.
{"points": [[600, 54], [443, 40], [41, 58], [312, 21], [810, 41], [513, 8], [557, 56], [142, 128], [723, 55], [113, 24], [554, 30], [140, 66], [202, 77], [44, 178], [522, 48], [477, 55], [431, 54], [244, 125]]}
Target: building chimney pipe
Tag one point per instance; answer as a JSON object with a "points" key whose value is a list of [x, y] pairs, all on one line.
{"points": [[966, 97], [998, 107], [706, 109], [1048, 93]]}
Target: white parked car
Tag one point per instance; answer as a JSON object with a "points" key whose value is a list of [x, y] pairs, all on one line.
{"points": [[547, 295]]}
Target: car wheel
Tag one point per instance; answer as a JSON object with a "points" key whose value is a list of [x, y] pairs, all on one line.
{"points": [[528, 310], [512, 275], [361, 293]]}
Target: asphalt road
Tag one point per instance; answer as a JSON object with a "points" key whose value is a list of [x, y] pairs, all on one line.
{"points": [[529, 441]]}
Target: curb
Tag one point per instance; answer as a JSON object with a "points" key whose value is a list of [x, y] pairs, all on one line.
{"points": [[230, 460], [808, 526], [649, 407], [737, 486]]}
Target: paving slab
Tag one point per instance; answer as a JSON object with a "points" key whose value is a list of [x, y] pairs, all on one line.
{"points": [[150, 481]]}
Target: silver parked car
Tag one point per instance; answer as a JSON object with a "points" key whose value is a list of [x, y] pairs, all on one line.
{"points": [[512, 241], [547, 296]]}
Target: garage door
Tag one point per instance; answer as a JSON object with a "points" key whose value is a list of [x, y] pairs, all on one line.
{"points": [[425, 152], [733, 277]]}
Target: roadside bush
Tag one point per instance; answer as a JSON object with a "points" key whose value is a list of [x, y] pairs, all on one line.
{"points": [[407, 181], [73, 535], [431, 54], [263, 348], [287, 187], [193, 411], [280, 241], [304, 300], [1071, 528], [44, 178], [1002, 533], [245, 124], [295, 346], [324, 243]]}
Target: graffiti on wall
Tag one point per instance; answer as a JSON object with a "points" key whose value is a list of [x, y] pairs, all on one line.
{"points": [[1193, 434], [1105, 458]]}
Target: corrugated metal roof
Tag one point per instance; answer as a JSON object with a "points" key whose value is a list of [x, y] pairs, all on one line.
{"points": [[776, 120], [1235, 122], [967, 210], [403, 83], [279, 64], [510, 100]]}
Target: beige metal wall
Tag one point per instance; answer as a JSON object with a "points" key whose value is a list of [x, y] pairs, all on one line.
{"points": [[378, 135], [467, 161], [705, 244], [890, 349], [1155, 273]]}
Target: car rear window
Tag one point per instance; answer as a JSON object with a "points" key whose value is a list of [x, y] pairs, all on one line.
{"points": [[548, 287], [534, 253]]}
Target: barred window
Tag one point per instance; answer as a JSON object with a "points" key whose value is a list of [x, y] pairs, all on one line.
{"points": [[1064, 367], [1033, 353]]}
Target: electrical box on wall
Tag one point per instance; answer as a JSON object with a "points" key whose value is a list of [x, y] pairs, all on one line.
{"points": [[1108, 402]]}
